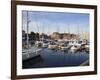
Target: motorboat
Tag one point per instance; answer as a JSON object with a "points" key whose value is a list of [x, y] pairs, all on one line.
{"points": [[87, 48], [74, 48], [39, 44], [52, 46]]}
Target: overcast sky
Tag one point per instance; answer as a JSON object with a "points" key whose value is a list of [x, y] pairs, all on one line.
{"points": [[49, 22]]}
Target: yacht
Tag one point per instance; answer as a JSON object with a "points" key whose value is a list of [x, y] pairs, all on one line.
{"points": [[52, 46], [30, 53], [74, 48]]}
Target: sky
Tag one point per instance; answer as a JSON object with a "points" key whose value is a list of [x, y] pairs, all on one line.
{"points": [[49, 22]]}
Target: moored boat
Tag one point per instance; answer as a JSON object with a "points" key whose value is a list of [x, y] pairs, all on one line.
{"points": [[30, 53], [52, 46]]}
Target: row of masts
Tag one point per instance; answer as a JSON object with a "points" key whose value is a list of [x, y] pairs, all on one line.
{"points": [[28, 21], [68, 29]]}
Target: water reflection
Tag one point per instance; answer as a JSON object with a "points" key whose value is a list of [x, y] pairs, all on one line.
{"points": [[50, 58], [33, 61]]}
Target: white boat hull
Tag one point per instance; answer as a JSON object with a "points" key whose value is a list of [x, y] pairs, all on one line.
{"points": [[28, 54]]}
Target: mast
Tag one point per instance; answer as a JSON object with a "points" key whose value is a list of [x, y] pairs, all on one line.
{"points": [[68, 29], [38, 31], [37, 27], [58, 29], [78, 31], [64, 30], [42, 32], [27, 32]]}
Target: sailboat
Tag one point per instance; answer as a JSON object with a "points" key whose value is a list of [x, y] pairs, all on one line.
{"points": [[64, 46], [75, 43], [30, 52], [53, 45]]}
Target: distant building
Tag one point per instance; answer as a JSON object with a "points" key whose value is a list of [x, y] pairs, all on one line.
{"points": [[84, 35], [55, 35], [68, 36]]}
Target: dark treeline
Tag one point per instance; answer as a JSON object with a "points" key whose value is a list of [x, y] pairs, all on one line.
{"points": [[34, 36]]}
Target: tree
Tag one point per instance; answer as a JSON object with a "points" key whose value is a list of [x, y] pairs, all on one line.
{"points": [[32, 36]]}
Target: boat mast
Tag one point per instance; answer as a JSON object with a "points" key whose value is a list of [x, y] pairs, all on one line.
{"points": [[37, 27], [57, 28], [68, 30], [42, 32], [27, 32], [78, 31], [38, 31]]}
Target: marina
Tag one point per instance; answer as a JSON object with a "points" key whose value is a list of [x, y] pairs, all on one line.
{"points": [[58, 48]]}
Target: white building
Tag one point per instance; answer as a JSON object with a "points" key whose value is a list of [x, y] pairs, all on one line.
{"points": [[84, 35]]}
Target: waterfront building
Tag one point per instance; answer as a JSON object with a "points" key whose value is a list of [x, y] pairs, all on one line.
{"points": [[84, 36], [55, 35], [67, 36]]}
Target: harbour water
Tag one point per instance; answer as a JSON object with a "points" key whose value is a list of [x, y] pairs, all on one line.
{"points": [[51, 58]]}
